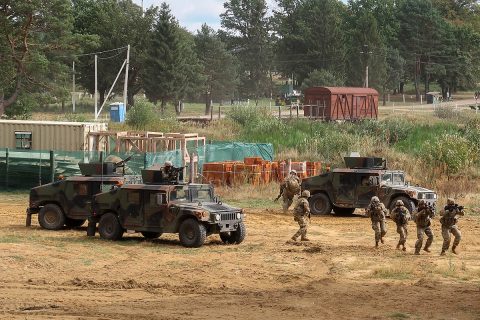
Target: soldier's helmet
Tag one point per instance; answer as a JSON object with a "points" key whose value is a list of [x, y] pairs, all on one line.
{"points": [[375, 199], [450, 201], [293, 172], [306, 194], [421, 203], [168, 163], [399, 203]]}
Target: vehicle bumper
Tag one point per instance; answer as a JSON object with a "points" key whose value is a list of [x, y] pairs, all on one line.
{"points": [[228, 225]]}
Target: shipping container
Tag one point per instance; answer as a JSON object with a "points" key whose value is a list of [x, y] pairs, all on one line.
{"points": [[340, 103], [48, 135]]}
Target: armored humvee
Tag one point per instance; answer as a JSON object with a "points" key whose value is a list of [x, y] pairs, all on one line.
{"points": [[345, 189], [162, 205], [68, 201]]}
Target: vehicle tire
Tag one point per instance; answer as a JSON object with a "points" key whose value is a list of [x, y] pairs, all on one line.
{"points": [[192, 233], [343, 211], [109, 227], [74, 223], [51, 217], [320, 204], [151, 235], [236, 236], [406, 202]]}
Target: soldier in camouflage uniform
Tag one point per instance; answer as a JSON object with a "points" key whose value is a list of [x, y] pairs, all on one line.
{"points": [[401, 215], [377, 211], [289, 188], [449, 225], [166, 171], [301, 215], [423, 220]]}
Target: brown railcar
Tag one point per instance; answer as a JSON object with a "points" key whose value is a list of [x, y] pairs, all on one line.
{"points": [[340, 103]]}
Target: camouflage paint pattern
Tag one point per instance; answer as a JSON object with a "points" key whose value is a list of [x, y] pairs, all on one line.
{"points": [[354, 186], [162, 208]]}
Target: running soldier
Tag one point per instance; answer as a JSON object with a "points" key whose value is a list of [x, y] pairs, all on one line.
{"points": [[449, 225], [288, 189], [423, 220], [377, 211], [301, 214], [401, 215]]}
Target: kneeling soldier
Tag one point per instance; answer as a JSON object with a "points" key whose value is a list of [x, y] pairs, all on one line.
{"points": [[449, 225], [377, 211], [301, 214], [423, 220], [401, 215]]}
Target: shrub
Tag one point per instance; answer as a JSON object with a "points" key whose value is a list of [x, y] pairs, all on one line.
{"points": [[141, 115], [445, 112], [450, 151]]}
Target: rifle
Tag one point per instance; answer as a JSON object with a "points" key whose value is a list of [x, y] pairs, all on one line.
{"points": [[282, 188]]}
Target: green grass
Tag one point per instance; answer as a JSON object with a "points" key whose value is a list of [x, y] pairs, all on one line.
{"points": [[399, 315], [392, 273]]}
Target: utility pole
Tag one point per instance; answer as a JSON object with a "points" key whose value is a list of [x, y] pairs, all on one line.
{"points": [[73, 88], [366, 52], [96, 85], [126, 78]]}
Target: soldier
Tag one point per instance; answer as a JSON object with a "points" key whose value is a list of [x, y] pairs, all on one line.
{"points": [[449, 225], [301, 214], [401, 215], [288, 189], [377, 211], [423, 220]]}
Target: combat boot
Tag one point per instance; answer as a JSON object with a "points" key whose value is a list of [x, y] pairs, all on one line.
{"points": [[381, 240], [398, 246], [376, 244], [404, 248], [305, 239], [417, 252], [294, 238], [454, 249], [442, 253], [426, 250]]}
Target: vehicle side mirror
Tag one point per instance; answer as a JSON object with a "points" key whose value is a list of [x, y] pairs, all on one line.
{"points": [[160, 199]]}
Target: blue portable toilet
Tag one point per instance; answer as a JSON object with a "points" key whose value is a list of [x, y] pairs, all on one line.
{"points": [[117, 112]]}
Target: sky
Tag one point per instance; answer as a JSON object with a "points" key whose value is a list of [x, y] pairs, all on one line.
{"points": [[191, 14]]}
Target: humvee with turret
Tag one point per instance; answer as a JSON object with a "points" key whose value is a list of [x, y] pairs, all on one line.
{"points": [[345, 189], [67, 202], [162, 205]]}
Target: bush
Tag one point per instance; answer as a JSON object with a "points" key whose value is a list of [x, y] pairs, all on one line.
{"points": [[248, 114], [445, 112], [450, 151], [22, 108], [141, 115]]}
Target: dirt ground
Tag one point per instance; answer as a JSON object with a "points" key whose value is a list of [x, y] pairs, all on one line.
{"points": [[338, 275]]}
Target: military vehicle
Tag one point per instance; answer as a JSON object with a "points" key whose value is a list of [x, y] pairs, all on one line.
{"points": [[163, 204], [67, 202], [346, 189]]}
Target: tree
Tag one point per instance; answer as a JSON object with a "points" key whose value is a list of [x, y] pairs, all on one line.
{"points": [[310, 37], [35, 36], [116, 24], [219, 66], [247, 26], [171, 67], [322, 78]]}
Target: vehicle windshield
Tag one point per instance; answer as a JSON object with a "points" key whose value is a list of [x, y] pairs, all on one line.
{"points": [[195, 193], [201, 193], [393, 178], [179, 194]]}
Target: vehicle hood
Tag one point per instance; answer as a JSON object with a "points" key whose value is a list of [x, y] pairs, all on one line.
{"points": [[416, 189], [211, 207]]}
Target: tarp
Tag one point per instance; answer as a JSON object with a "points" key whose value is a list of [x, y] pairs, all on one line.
{"points": [[29, 168]]}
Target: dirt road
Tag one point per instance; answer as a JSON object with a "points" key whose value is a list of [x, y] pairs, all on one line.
{"points": [[339, 275]]}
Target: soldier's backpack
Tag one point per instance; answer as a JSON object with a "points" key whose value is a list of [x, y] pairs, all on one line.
{"points": [[293, 186]]}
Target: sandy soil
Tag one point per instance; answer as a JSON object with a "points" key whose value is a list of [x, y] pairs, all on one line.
{"points": [[338, 275]]}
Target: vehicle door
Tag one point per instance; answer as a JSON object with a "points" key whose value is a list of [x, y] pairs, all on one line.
{"points": [[155, 207], [78, 199], [367, 187], [344, 188], [131, 214]]}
